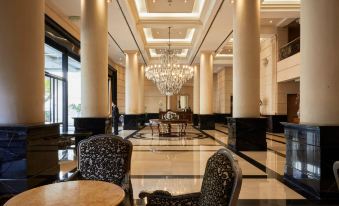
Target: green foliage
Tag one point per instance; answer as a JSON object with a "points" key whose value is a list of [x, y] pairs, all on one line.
{"points": [[75, 107]]}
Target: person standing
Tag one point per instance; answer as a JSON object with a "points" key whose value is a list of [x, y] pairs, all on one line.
{"points": [[115, 116]]}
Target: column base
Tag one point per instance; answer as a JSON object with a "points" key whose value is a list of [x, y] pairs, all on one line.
{"points": [[274, 123], [29, 156], [131, 121], [195, 119], [247, 134], [206, 122], [96, 125], [310, 153]]}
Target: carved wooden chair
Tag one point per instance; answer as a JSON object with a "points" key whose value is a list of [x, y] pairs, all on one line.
{"points": [[336, 170], [221, 185], [106, 158]]}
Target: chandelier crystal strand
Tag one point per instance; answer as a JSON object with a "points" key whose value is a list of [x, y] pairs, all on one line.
{"points": [[169, 76]]}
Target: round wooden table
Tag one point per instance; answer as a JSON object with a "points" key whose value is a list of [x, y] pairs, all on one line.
{"points": [[84, 192]]}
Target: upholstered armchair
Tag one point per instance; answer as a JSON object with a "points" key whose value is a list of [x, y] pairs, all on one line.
{"points": [[220, 187], [106, 158]]}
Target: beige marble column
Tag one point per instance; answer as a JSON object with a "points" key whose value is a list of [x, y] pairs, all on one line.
{"points": [[206, 83], [22, 61], [94, 59], [196, 90], [319, 87], [246, 60], [131, 83], [141, 102]]}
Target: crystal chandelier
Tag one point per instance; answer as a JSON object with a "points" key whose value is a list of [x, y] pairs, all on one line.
{"points": [[169, 76]]}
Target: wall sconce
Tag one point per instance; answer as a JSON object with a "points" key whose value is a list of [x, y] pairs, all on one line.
{"points": [[265, 61]]}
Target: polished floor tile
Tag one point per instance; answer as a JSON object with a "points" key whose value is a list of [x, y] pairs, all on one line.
{"points": [[177, 164], [269, 159]]}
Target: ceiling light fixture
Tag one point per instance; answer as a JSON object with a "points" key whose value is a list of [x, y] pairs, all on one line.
{"points": [[169, 76]]}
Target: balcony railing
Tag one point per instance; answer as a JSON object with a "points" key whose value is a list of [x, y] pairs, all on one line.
{"points": [[289, 49]]}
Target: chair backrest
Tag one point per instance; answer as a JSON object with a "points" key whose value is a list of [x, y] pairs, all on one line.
{"points": [[105, 157], [336, 170], [222, 180]]}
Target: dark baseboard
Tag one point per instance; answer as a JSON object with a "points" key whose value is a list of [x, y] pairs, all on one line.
{"points": [[95, 125], [274, 123], [149, 116], [221, 117], [195, 119], [206, 122], [131, 122]]}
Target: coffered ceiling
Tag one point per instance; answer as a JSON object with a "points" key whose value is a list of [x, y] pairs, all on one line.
{"points": [[196, 25]]}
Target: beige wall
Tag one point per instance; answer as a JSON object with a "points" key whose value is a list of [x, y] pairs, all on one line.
{"points": [[289, 68], [153, 98], [285, 88], [268, 77], [216, 92], [222, 87], [273, 93]]}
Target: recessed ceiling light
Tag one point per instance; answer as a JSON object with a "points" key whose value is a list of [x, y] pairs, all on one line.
{"points": [[109, 1], [153, 1], [232, 1], [158, 33], [180, 32], [185, 1], [271, 21]]}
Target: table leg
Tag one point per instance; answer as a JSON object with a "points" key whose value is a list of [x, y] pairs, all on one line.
{"points": [[159, 130], [150, 124]]}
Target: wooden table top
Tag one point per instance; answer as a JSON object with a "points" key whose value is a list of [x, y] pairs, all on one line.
{"points": [[81, 193]]}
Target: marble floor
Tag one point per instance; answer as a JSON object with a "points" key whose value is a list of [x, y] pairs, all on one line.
{"points": [[177, 164]]}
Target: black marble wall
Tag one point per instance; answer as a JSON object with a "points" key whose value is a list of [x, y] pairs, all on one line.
{"points": [[28, 156], [310, 153], [247, 134], [131, 121], [206, 122], [142, 119], [96, 125], [274, 123], [149, 116], [195, 120], [221, 118]]}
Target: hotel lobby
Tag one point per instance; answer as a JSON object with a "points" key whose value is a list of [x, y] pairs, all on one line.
{"points": [[169, 102]]}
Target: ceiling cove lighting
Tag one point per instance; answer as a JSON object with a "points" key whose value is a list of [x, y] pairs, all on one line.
{"points": [[169, 76]]}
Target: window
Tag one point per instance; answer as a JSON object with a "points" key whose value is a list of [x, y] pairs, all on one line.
{"points": [[54, 86], [74, 90]]}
